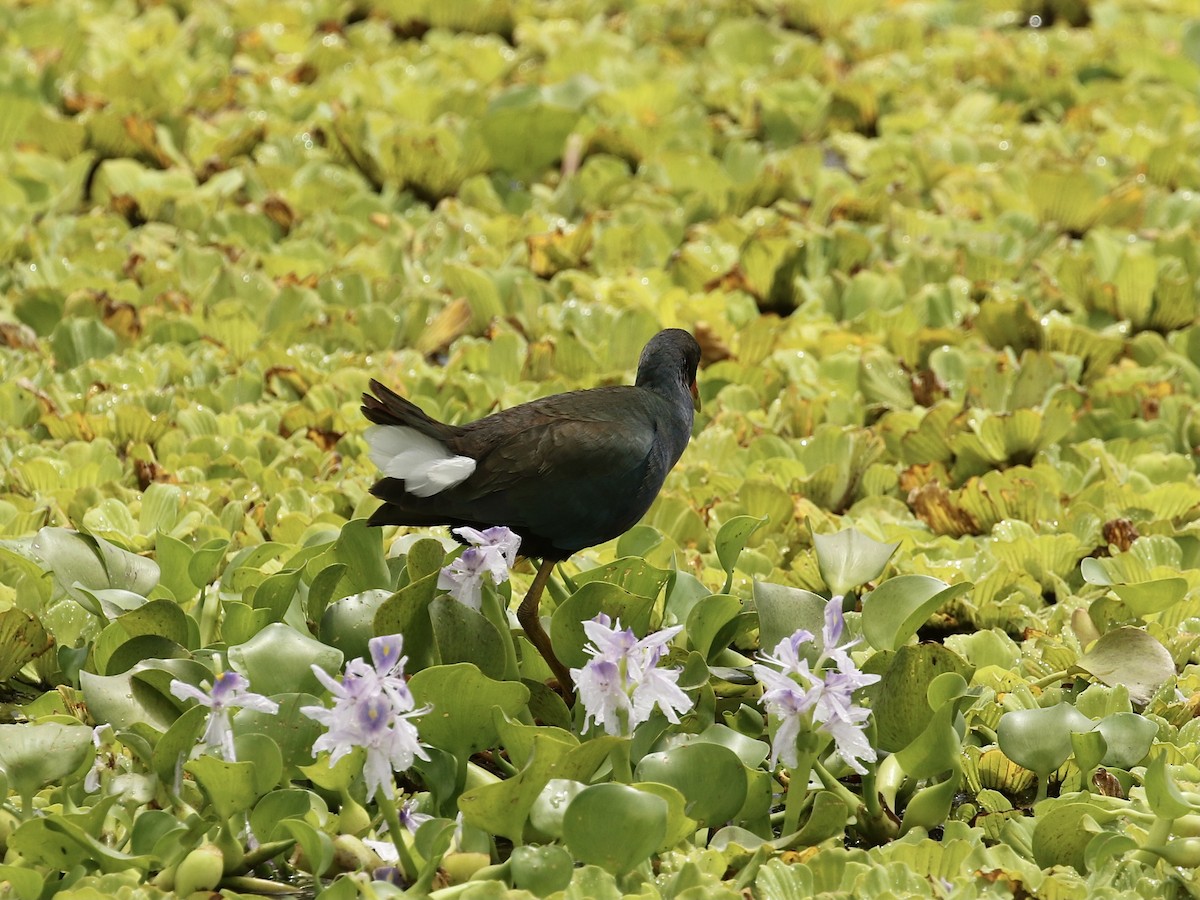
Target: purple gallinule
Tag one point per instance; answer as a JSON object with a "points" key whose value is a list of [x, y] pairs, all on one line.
{"points": [[564, 472]]}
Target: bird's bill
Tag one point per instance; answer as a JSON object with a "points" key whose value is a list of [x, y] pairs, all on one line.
{"points": [[695, 396]]}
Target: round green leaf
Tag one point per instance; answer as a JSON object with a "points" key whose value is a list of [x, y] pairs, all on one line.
{"points": [[1040, 739], [731, 540], [709, 624], [1128, 656], [782, 610], [892, 613], [850, 558], [1149, 597], [710, 777], [464, 635], [462, 698], [541, 870], [279, 660], [348, 624], [548, 809], [593, 597], [590, 835], [1061, 835], [901, 698], [34, 756], [1129, 738]]}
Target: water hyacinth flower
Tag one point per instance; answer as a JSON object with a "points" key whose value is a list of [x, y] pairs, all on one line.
{"points": [[492, 552], [821, 697], [621, 684], [228, 692], [372, 708]]}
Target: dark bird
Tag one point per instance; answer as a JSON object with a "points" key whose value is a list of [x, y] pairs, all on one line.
{"points": [[564, 472]]}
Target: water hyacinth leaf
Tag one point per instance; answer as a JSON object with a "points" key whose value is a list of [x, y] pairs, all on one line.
{"points": [[158, 618], [679, 825], [264, 755], [632, 573], [292, 732], [34, 756], [25, 883], [1163, 795], [892, 613], [425, 557], [74, 557], [938, 747], [124, 700], [462, 698], [177, 743], [592, 598], [1062, 834], [464, 635], [541, 870], [349, 624], [406, 612], [22, 639], [276, 592], [205, 561], [782, 610], [360, 549], [850, 558], [1093, 572], [1149, 597], [710, 777], [901, 698], [930, 806], [279, 659], [1106, 846], [517, 737], [685, 591], [525, 127], [140, 649], [1128, 656], [1088, 748], [229, 786], [731, 540], [550, 805], [316, 844], [709, 624], [59, 844], [506, 805], [750, 751], [1129, 738], [1040, 739], [281, 805], [826, 820], [589, 833]]}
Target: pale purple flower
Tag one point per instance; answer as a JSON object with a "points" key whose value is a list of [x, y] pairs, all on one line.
{"points": [[229, 692], [822, 697], [371, 709], [410, 818], [621, 684], [492, 553]]}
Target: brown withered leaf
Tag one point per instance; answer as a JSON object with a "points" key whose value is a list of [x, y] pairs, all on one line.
{"points": [[712, 347], [280, 212], [148, 472], [18, 336], [127, 208], [564, 248], [323, 438], [935, 506], [451, 323], [1120, 533], [1107, 784]]}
